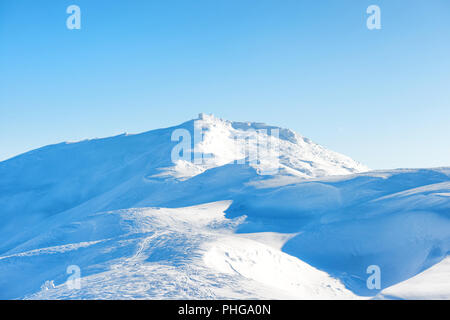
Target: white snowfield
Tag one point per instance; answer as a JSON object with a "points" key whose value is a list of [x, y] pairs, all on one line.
{"points": [[139, 226]]}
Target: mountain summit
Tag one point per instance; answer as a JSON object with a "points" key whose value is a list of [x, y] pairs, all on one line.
{"points": [[269, 149]]}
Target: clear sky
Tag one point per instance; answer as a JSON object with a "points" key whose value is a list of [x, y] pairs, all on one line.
{"points": [[381, 97]]}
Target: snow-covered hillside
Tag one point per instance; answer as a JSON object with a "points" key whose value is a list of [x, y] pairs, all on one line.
{"points": [[433, 283], [141, 224], [181, 253]]}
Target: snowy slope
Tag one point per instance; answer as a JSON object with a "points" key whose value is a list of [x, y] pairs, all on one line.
{"points": [[121, 210], [398, 220], [173, 253], [433, 283]]}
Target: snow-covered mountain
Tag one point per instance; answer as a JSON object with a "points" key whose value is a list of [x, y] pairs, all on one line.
{"points": [[139, 170], [208, 209]]}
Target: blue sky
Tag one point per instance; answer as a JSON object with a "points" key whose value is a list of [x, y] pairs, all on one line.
{"points": [[381, 96]]}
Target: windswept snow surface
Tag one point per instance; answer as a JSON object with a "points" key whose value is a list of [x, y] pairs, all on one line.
{"points": [[181, 253], [141, 226], [433, 283]]}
